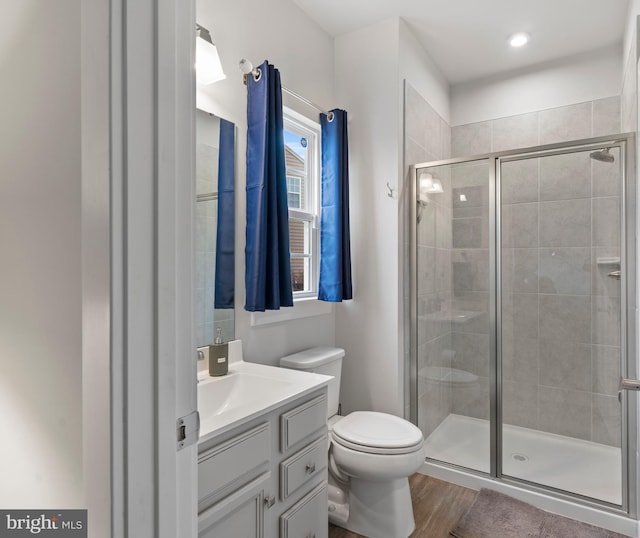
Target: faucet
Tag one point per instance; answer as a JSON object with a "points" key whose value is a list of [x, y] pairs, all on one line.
{"points": [[200, 358]]}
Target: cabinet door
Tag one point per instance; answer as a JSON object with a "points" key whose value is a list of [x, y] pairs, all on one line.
{"points": [[240, 515], [308, 517]]}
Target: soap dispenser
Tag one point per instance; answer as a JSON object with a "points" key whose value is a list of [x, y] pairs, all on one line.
{"points": [[218, 356]]}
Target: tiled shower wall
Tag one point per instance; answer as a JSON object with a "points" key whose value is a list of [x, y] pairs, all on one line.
{"points": [[573, 122], [208, 318], [553, 380], [428, 138], [629, 96], [560, 311], [470, 286], [206, 224]]}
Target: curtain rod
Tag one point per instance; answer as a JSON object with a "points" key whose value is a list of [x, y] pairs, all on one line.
{"points": [[247, 69]]}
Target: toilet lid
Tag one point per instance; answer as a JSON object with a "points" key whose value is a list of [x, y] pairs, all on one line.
{"points": [[379, 433]]}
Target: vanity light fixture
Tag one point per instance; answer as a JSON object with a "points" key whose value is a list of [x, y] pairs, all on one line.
{"points": [[520, 39], [208, 65]]}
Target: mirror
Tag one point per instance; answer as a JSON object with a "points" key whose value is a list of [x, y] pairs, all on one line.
{"points": [[215, 227]]}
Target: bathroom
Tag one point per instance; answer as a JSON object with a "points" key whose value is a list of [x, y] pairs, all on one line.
{"points": [[333, 73]]}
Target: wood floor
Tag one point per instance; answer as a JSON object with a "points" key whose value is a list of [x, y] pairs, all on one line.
{"points": [[437, 507]]}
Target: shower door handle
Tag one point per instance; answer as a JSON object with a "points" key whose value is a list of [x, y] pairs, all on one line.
{"points": [[629, 384], [614, 274]]}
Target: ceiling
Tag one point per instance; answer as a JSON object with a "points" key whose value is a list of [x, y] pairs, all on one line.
{"points": [[468, 38]]}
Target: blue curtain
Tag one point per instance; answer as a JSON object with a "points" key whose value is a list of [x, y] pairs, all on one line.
{"points": [[335, 245], [225, 234], [268, 263]]}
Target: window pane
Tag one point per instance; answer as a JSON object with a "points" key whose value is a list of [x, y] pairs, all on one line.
{"points": [[294, 199], [295, 149], [298, 274], [299, 236], [293, 184]]}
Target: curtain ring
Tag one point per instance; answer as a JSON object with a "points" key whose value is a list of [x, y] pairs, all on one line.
{"points": [[257, 74], [330, 116]]}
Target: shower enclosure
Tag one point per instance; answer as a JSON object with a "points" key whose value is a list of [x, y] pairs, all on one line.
{"points": [[523, 309]]}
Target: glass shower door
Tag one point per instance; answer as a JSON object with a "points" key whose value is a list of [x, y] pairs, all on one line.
{"points": [[453, 357], [560, 339]]}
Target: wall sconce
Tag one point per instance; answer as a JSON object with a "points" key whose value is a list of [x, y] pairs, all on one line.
{"points": [[430, 184], [208, 65]]}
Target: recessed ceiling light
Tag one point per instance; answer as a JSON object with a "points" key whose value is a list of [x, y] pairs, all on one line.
{"points": [[519, 39]]}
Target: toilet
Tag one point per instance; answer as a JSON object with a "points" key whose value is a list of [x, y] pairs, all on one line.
{"points": [[371, 456]]}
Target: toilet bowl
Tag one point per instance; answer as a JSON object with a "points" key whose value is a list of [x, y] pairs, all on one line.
{"points": [[371, 456]]}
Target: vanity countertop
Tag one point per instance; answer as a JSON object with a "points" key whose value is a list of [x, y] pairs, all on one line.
{"points": [[249, 390]]}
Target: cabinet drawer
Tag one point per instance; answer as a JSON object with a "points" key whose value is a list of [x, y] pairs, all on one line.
{"points": [[302, 467], [232, 463], [307, 518], [302, 421]]}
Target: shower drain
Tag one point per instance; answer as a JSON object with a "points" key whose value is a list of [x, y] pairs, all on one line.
{"points": [[519, 457]]}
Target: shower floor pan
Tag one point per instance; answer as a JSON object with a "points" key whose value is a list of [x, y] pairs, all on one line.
{"points": [[565, 463]]}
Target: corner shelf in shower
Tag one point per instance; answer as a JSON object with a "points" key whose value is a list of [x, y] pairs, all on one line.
{"points": [[453, 316], [612, 260]]}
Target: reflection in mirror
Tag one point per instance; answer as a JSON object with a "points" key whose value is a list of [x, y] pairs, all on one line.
{"points": [[215, 165]]}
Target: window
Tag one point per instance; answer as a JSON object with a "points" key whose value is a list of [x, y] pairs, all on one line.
{"points": [[302, 150]]}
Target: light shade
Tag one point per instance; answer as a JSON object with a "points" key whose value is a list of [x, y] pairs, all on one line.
{"points": [[208, 65]]}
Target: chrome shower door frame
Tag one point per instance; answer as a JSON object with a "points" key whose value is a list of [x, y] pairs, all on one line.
{"points": [[629, 367]]}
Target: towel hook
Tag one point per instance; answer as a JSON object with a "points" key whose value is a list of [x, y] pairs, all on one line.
{"points": [[392, 191]]}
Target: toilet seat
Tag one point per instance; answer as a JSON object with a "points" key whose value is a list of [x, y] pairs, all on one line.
{"points": [[377, 433]]}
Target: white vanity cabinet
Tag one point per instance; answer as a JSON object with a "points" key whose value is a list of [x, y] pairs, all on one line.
{"points": [[267, 477]]}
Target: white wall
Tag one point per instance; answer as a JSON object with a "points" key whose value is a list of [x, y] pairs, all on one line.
{"points": [[40, 289], [630, 30], [371, 65], [278, 31], [420, 70], [585, 77], [367, 327]]}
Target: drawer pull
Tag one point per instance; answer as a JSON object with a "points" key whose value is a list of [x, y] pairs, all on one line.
{"points": [[311, 468], [269, 501]]}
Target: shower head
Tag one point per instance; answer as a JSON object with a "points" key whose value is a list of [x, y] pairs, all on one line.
{"points": [[602, 155]]}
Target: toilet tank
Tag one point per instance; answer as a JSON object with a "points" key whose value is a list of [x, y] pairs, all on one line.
{"points": [[320, 360]]}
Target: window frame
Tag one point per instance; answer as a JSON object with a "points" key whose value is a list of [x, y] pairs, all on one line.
{"points": [[309, 129]]}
